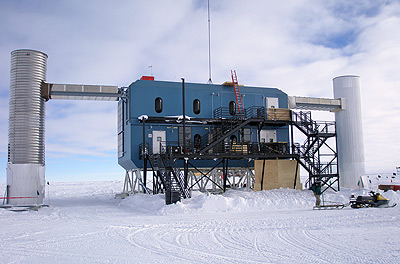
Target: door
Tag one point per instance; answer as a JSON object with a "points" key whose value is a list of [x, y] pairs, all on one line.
{"points": [[246, 135], [188, 136], [159, 141], [267, 136], [272, 102]]}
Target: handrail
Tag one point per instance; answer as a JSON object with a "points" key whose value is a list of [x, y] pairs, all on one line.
{"points": [[144, 152], [243, 148], [250, 112]]}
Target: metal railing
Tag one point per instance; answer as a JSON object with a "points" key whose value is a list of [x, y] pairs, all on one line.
{"points": [[144, 151], [255, 112], [171, 148], [314, 165], [304, 122], [326, 127], [250, 112]]}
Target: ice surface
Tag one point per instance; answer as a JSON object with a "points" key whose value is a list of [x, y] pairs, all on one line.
{"points": [[86, 224]]}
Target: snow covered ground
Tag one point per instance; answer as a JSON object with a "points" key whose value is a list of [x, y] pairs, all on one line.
{"points": [[85, 224]]}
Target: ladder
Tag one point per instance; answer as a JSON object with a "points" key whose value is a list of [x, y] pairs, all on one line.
{"points": [[237, 92]]}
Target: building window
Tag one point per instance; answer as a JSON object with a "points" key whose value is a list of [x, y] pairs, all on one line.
{"points": [[158, 105], [196, 106], [197, 141], [232, 108], [121, 144], [120, 129], [233, 140]]}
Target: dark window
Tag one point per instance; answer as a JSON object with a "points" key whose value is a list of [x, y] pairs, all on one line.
{"points": [[121, 128], [196, 106], [158, 105], [233, 140], [197, 141], [232, 108], [121, 144]]}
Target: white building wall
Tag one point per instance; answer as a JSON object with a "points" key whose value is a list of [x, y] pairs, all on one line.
{"points": [[25, 183], [350, 141]]}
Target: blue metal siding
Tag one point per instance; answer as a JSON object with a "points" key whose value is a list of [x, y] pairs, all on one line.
{"points": [[141, 101], [143, 95]]}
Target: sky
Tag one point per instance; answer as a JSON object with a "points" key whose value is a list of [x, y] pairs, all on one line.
{"points": [[298, 46]]}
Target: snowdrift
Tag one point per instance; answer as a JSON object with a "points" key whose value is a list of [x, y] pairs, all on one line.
{"points": [[240, 200]]}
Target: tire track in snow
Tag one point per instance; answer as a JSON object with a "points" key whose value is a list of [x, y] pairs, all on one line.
{"points": [[56, 247], [238, 239], [205, 250], [271, 255], [298, 245], [189, 245], [151, 243], [345, 255]]}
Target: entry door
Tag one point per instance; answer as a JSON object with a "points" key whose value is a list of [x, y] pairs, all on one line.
{"points": [[267, 136], [272, 102], [188, 136], [159, 139]]}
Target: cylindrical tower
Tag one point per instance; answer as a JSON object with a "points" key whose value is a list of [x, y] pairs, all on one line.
{"points": [[350, 141], [26, 152]]}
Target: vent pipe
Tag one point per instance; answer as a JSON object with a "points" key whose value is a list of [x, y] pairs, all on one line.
{"points": [[26, 151]]}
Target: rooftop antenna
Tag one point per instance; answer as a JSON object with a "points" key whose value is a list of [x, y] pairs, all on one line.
{"points": [[209, 43], [151, 70]]}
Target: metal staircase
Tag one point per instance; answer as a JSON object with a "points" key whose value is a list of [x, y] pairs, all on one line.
{"points": [[168, 178], [315, 147], [229, 124], [219, 134], [159, 181]]}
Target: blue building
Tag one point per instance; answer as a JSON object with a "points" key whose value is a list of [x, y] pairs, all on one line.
{"points": [[151, 113]]}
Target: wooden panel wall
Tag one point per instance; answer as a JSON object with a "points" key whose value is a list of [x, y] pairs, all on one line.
{"points": [[277, 174]]}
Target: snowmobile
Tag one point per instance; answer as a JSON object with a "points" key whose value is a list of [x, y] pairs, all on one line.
{"points": [[374, 199]]}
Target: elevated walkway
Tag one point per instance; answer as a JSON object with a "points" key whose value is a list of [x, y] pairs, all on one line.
{"points": [[312, 103], [80, 92]]}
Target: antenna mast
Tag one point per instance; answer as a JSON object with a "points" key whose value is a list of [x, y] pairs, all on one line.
{"points": [[209, 44]]}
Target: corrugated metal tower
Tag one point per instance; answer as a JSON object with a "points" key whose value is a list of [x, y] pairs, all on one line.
{"points": [[26, 144], [350, 140], [26, 133]]}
